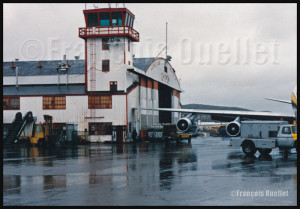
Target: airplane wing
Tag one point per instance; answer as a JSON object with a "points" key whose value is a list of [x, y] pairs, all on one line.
{"points": [[228, 115], [278, 100]]}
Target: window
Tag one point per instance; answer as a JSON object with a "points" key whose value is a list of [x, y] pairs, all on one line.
{"points": [[100, 102], [104, 19], [11, 103], [92, 19], [38, 129], [126, 20], [54, 102], [113, 86], [100, 128], [166, 69], [286, 130], [131, 22], [294, 129], [116, 18], [105, 65], [105, 46], [128, 45]]}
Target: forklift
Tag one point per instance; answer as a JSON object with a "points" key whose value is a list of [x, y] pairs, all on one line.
{"points": [[43, 134]]}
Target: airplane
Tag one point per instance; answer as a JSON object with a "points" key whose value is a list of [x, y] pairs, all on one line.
{"points": [[187, 123], [293, 101]]}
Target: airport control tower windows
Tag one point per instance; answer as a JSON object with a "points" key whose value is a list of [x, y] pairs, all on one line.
{"points": [[131, 21], [104, 19], [92, 19], [126, 20], [116, 18], [105, 65]]}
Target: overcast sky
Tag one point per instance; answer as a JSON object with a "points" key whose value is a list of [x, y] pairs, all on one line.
{"points": [[223, 54]]}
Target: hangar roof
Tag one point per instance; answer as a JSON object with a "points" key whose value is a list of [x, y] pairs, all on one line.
{"points": [[142, 63], [29, 68], [44, 90]]}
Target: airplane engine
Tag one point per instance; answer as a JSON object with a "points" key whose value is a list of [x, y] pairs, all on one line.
{"points": [[184, 124], [234, 128]]}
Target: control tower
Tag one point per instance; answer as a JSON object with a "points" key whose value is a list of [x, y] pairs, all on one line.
{"points": [[108, 36]]}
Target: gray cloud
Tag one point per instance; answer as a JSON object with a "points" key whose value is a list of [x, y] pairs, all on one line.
{"points": [[244, 85]]}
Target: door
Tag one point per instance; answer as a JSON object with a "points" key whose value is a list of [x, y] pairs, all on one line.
{"points": [[70, 129], [119, 133]]}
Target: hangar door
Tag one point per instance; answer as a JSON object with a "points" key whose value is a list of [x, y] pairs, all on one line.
{"points": [[164, 101]]}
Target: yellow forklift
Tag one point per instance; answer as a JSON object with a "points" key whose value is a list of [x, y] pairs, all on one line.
{"points": [[43, 134]]}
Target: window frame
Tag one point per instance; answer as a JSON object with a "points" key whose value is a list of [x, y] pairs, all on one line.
{"points": [[105, 43], [286, 128], [126, 19], [109, 19], [108, 66], [9, 102], [54, 103], [117, 19], [100, 102], [100, 129]]}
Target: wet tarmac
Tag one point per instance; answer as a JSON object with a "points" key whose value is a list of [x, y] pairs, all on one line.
{"points": [[205, 172]]}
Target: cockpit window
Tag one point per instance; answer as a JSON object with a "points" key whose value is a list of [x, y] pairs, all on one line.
{"points": [[286, 130], [294, 129]]}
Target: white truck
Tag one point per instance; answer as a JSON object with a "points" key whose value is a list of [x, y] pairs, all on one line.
{"points": [[265, 136]]}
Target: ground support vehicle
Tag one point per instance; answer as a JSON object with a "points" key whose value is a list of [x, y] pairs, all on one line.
{"points": [[265, 136]]}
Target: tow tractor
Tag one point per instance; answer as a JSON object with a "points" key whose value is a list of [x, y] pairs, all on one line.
{"points": [[170, 133], [265, 136]]}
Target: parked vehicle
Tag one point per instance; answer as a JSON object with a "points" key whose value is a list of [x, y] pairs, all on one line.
{"points": [[265, 136]]}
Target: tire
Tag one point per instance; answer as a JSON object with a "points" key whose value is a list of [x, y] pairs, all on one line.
{"points": [[265, 151], [249, 148]]}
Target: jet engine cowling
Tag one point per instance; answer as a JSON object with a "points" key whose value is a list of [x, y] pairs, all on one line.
{"points": [[234, 128], [184, 124]]}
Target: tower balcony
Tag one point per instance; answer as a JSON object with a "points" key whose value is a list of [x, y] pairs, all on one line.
{"points": [[100, 31]]}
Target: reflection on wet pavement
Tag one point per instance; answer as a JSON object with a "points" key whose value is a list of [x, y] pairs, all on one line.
{"points": [[204, 172]]}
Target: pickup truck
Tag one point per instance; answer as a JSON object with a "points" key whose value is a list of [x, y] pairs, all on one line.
{"points": [[265, 136]]}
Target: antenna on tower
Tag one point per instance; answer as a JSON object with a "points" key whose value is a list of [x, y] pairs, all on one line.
{"points": [[166, 39]]}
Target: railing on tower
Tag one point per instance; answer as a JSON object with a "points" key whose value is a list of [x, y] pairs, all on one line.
{"points": [[108, 31]]}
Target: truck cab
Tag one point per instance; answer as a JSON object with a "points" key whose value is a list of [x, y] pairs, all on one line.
{"points": [[287, 136]]}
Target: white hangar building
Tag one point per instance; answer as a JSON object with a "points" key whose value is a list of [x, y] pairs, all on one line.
{"points": [[96, 94]]}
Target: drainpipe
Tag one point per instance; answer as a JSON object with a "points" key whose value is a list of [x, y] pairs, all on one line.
{"points": [[17, 73]]}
